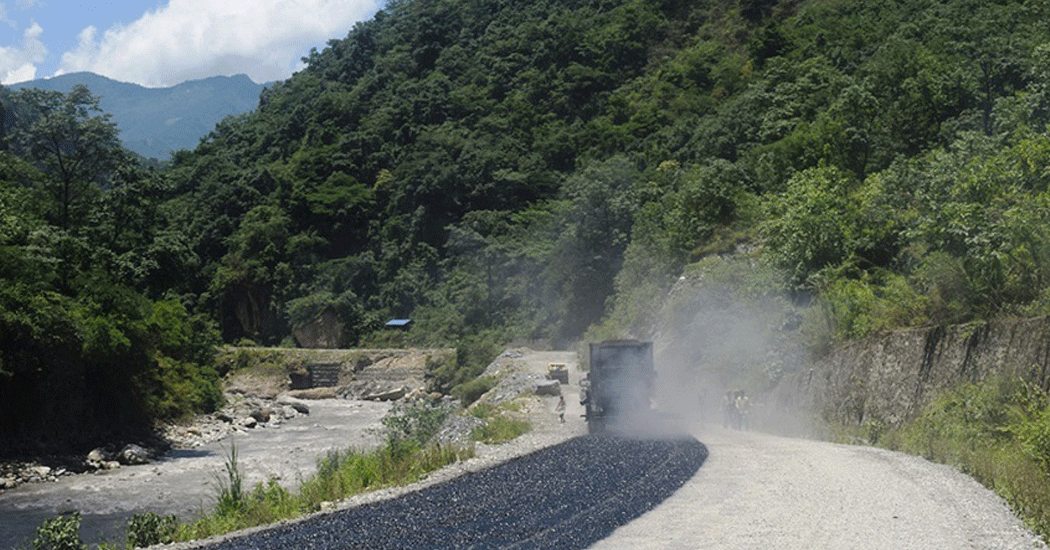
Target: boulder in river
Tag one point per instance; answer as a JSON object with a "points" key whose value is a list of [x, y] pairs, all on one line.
{"points": [[294, 403], [96, 458], [261, 416], [133, 454], [389, 395]]}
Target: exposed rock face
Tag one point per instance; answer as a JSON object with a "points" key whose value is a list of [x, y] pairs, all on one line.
{"points": [[251, 308], [325, 332], [890, 377]]}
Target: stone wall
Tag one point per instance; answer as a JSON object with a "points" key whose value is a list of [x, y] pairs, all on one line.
{"points": [[891, 376]]}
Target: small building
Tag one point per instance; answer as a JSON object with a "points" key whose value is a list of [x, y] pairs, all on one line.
{"points": [[400, 324]]}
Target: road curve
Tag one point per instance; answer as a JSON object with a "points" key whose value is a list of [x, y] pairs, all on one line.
{"points": [[758, 491], [754, 491]]}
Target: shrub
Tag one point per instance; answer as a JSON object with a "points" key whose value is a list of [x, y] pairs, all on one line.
{"points": [[184, 389], [950, 297], [500, 429], [147, 529], [473, 354], [500, 426], [997, 431], [469, 392], [231, 497], [411, 426], [61, 533]]}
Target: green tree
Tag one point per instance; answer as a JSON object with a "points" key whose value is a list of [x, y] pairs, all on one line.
{"points": [[74, 143], [812, 225]]}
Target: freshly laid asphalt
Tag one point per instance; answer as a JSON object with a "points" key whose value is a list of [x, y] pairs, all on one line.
{"points": [[567, 496]]}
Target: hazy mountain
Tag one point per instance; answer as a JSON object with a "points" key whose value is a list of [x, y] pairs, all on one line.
{"points": [[156, 121]]}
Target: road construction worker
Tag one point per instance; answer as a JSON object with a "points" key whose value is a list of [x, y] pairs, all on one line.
{"points": [[729, 409], [743, 409]]}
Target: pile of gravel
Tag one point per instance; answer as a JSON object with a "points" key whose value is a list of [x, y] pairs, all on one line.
{"points": [[566, 496]]}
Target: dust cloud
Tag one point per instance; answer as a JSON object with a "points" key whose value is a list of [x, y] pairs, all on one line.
{"points": [[713, 338]]}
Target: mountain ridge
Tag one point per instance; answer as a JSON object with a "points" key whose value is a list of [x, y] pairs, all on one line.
{"points": [[155, 122]]}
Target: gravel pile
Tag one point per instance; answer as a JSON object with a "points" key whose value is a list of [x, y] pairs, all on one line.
{"points": [[566, 496]]}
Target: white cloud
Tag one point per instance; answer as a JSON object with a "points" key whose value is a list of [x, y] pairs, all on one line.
{"points": [[190, 39], [18, 63]]}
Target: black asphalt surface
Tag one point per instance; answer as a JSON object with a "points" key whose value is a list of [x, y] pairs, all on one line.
{"points": [[568, 496]]}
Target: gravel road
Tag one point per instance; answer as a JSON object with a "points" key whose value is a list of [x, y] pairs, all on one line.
{"points": [[758, 491]]}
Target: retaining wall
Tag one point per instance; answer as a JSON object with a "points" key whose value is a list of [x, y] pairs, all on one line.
{"points": [[891, 376]]}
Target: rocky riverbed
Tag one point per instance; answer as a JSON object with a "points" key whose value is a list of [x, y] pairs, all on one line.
{"points": [[241, 414]]}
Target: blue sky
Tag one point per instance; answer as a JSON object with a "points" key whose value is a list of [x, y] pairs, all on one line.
{"points": [[165, 42]]}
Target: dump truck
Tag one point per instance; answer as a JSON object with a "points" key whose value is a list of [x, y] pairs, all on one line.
{"points": [[619, 383]]}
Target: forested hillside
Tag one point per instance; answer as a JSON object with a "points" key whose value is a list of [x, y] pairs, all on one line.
{"points": [[507, 170]]}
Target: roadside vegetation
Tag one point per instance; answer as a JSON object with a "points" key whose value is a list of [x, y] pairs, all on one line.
{"points": [[997, 431], [501, 423]]}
